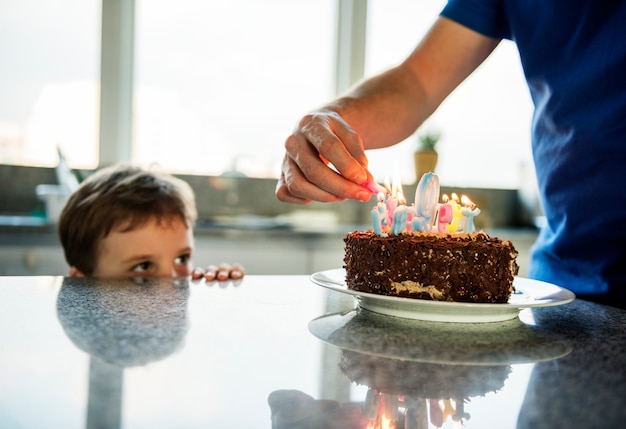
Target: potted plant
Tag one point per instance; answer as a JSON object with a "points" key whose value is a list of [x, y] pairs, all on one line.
{"points": [[425, 155]]}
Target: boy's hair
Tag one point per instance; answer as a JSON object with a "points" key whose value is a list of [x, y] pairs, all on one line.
{"points": [[120, 197]]}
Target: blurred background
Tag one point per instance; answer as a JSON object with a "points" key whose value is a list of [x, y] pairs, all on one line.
{"points": [[213, 86], [209, 90]]}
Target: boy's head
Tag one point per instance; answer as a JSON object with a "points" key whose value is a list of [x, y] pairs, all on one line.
{"points": [[125, 221]]}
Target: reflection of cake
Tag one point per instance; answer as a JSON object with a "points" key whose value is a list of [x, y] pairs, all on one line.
{"points": [[422, 389], [463, 267], [422, 380]]}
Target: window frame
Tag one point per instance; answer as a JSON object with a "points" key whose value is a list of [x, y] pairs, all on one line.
{"points": [[117, 69]]}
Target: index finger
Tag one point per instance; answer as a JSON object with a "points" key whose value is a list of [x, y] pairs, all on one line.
{"points": [[338, 144], [306, 177]]}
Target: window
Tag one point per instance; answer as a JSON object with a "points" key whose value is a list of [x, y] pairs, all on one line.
{"points": [[484, 124], [50, 55], [220, 84]]}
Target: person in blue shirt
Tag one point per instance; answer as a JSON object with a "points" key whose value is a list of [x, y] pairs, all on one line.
{"points": [[574, 57]]}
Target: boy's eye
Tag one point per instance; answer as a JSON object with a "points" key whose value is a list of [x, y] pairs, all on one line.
{"points": [[142, 267], [183, 259]]}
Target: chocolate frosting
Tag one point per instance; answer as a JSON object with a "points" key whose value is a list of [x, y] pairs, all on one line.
{"points": [[448, 267]]}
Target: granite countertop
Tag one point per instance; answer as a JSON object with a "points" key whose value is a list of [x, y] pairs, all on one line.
{"points": [[282, 352]]}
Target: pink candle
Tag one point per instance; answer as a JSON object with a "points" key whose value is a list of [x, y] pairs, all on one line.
{"points": [[392, 203], [445, 216], [373, 187]]}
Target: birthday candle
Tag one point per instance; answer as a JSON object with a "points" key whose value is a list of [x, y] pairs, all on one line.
{"points": [[426, 197], [379, 214], [399, 220], [373, 187], [469, 211], [392, 203], [376, 226], [453, 226], [445, 216]]}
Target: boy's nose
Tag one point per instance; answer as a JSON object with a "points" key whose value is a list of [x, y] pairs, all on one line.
{"points": [[174, 270], [167, 270]]}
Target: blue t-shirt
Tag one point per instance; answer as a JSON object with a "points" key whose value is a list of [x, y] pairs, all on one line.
{"points": [[574, 58]]}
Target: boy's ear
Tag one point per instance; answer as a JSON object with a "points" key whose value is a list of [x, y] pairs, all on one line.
{"points": [[74, 272]]}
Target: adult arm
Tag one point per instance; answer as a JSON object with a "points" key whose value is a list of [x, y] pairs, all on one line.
{"points": [[379, 112]]}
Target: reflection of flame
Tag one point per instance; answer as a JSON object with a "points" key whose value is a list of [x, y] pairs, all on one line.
{"points": [[382, 419], [390, 411], [384, 423]]}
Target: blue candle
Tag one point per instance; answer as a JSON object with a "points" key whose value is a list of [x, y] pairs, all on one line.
{"points": [[379, 214], [399, 220], [469, 211], [469, 214], [426, 198], [420, 224]]}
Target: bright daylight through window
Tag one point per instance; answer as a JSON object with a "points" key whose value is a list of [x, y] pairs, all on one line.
{"points": [[218, 86], [50, 53]]}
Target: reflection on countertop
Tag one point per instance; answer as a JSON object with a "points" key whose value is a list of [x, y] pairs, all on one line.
{"points": [[94, 353]]}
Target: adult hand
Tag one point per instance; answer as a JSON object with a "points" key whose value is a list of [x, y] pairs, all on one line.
{"points": [[293, 409], [324, 161]]}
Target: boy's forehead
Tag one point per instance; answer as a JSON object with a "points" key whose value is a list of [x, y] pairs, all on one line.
{"points": [[129, 237], [133, 222]]}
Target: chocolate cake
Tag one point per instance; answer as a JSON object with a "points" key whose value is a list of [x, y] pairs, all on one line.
{"points": [[460, 267]]}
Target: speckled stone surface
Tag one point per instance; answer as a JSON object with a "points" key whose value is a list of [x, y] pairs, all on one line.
{"points": [[281, 352], [578, 351]]}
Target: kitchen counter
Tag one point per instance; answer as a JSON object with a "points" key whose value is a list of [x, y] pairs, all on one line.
{"points": [[264, 245], [81, 353]]}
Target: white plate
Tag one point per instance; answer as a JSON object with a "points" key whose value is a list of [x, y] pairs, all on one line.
{"points": [[504, 343], [529, 294]]}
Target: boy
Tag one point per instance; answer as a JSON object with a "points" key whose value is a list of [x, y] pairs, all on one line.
{"points": [[124, 221]]}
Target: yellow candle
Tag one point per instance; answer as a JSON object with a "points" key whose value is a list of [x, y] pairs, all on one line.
{"points": [[453, 226]]}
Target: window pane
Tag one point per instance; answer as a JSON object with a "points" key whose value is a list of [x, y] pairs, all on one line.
{"points": [[220, 84], [485, 123], [50, 70]]}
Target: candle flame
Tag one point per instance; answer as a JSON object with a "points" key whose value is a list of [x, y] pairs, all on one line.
{"points": [[383, 423], [396, 183], [466, 201], [401, 198], [387, 185]]}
